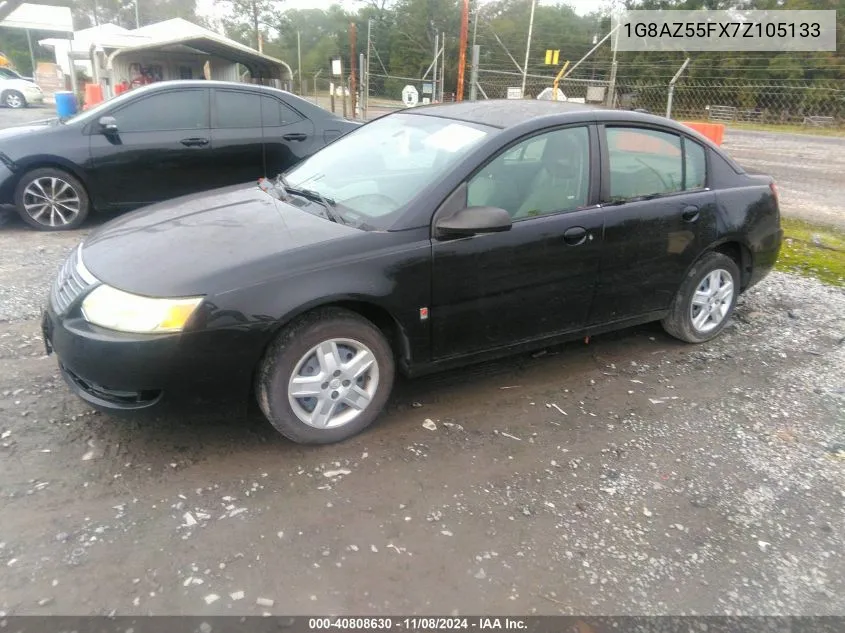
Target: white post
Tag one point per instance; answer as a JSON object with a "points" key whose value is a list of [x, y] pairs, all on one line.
{"points": [[436, 59], [299, 61], [672, 88], [528, 45]]}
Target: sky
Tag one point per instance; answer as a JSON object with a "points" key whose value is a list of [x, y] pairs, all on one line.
{"points": [[207, 7]]}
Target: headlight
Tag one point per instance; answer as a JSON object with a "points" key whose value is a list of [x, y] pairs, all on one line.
{"points": [[117, 310]]}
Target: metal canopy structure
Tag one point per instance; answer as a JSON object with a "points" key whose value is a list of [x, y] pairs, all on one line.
{"points": [[260, 66], [36, 17]]}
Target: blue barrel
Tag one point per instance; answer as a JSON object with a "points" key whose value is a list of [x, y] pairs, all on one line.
{"points": [[65, 104]]}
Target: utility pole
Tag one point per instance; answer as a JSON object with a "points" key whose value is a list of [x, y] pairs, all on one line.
{"points": [[475, 22], [255, 24], [436, 59], [96, 16], [137, 15], [299, 62], [442, 63], [352, 46], [462, 53], [528, 45], [366, 90]]}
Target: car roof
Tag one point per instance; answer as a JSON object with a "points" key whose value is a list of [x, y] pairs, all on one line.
{"points": [[502, 113]]}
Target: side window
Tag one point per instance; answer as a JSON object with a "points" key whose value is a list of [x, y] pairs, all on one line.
{"points": [[164, 112], [544, 174], [643, 162], [274, 113], [236, 110], [696, 165]]}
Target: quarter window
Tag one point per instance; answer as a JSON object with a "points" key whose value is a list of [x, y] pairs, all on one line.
{"points": [[274, 113], [167, 111], [696, 172], [544, 174]]}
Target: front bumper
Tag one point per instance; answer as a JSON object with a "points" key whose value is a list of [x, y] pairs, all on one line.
{"points": [[34, 97], [130, 373]]}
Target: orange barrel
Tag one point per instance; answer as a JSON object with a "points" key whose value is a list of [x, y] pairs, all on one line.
{"points": [[93, 94], [714, 131]]}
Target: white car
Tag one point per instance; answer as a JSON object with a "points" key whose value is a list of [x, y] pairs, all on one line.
{"points": [[19, 93]]}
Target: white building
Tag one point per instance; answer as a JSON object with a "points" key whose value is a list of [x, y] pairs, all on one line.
{"points": [[173, 49]]}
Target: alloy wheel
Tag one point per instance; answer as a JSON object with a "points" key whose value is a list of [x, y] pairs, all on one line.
{"points": [[51, 201], [15, 100], [712, 300], [333, 383]]}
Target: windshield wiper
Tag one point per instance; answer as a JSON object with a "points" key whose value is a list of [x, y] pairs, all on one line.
{"points": [[328, 204]]}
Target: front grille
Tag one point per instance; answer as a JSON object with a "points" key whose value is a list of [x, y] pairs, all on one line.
{"points": [[72, 281]]}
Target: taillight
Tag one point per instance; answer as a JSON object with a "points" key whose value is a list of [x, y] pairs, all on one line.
{"points": [[774, 189]]}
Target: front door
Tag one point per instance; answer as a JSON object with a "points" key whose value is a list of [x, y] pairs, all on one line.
{"points": [[162, 149], [660, 216], [537, 279]]}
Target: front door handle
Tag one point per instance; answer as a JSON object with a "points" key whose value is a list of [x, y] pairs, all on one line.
{"points": [[690, 213], [575, 236], [297, 136], [194, 142]]}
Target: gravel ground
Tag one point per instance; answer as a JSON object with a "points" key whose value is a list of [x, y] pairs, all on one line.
{"points": [[632, 475]]}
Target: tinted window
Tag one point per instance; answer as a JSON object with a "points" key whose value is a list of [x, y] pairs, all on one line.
{"points": [[643, 162], [274, 113], [236, 109], [542, 175], [175, 110], [695, 165]]}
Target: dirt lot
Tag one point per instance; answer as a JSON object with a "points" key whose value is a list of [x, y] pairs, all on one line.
{"points": [[633, 474]]}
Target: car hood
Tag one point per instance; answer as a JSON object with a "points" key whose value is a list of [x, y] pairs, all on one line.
{"points": [[33, 127], [17, 84], [206, 243]]}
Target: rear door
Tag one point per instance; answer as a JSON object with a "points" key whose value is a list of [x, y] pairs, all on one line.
{"points": [[289, 136], [162, 149], [660, 215], [237, 140]]}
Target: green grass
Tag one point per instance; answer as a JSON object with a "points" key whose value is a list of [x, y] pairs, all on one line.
{"points": [[813, 250], [790, 128]]}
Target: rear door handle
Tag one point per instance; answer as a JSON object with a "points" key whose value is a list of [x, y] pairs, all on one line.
{"points": [[297, 136], [690, 213], [576, 236], [194, 142]]}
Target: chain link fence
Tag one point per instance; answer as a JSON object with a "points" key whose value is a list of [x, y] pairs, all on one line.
{"points": [[816, 103]]}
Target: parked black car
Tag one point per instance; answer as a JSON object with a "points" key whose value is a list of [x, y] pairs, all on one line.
{"points": [[428, 238], [154, 143]]}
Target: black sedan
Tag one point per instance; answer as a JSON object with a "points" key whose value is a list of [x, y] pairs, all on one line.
{"points": [[155, 143], [429, 238]]}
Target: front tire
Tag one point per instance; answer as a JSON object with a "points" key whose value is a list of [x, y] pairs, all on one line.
{"points": [[705, 301], [14, 99], [326, 377], [51, 199]]}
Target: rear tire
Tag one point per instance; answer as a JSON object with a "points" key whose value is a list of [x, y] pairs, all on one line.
{"points": [[326, 377], [705, 301], [50, 199]]}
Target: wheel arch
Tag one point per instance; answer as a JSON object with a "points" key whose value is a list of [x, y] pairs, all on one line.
{"points": [[740, 253], [378, 315], [52, 162]]}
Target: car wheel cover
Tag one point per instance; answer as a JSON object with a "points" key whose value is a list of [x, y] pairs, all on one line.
{"points": [[712, 300], [51, 201], [14, 100], [333, 383]]}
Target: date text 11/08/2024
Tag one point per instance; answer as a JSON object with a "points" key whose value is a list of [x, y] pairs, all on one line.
{"points": [[416, 624]]}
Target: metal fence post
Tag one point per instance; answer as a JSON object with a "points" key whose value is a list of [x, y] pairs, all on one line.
{"points": [[473, 73], [672, 88]]}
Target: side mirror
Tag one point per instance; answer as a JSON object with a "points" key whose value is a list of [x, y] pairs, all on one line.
{"points": [[108, 124], [474, 220]]}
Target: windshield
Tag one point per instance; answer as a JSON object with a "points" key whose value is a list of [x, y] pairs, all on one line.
{"points": [[373, 172]]}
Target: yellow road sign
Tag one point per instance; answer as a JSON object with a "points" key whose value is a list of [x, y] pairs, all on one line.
{"points": [[552, 57]]}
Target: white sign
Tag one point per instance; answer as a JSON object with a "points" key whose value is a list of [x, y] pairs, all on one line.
{"points": [[514, 93], [410, 96], [336, 69]]}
